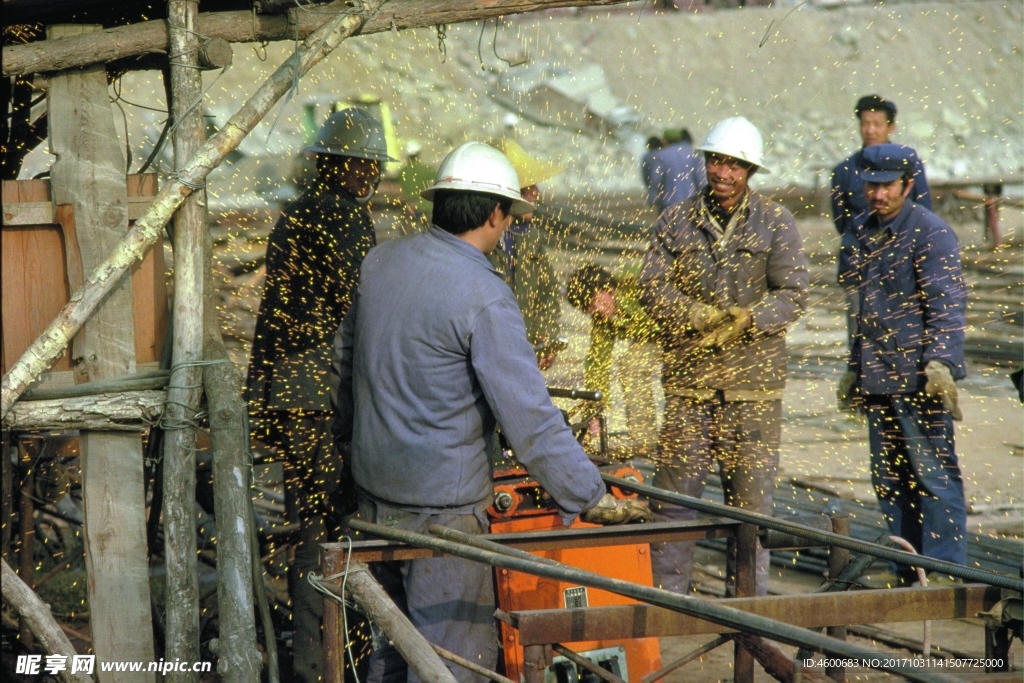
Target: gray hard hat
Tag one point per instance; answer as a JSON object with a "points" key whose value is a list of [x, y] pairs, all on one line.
{"points": [[352, 132]]}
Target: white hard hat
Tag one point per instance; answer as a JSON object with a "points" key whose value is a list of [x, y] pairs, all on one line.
{"points": [[738, 138], [476, 167]]}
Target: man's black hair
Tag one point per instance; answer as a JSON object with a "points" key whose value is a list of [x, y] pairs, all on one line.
{"points": [[457, 211], [586, 282], [684, 136], [876, 103], [654, 143]]}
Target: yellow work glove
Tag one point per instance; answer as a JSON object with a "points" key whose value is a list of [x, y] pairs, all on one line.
{"points": [[705, 318], [741, 322], [612, 510], [844, 393], [940, 383]]}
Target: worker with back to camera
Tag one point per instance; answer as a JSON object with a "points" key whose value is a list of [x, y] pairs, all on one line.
{"points": [[313, 259], [676, 171], [432, 353], [907, 350], [522, 261], [850, 209], [724, 277], [616, 314]]}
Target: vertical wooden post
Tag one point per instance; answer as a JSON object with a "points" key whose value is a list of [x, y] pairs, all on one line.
{"points": [[746, 586], [838, 558], [28, 450], [182, 620], [89, 175]]}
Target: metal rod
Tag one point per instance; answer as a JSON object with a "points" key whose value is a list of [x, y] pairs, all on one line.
{"points": [[685, 659], [585, 663], [695, 607], [470, 666], [827, 537], [583, 394]]}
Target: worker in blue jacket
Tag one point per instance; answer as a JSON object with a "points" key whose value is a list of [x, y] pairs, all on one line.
{"points": [[907, 351], [877, 117]]}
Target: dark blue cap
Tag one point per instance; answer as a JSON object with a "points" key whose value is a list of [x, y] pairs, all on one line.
{"points": [[886, 163]]}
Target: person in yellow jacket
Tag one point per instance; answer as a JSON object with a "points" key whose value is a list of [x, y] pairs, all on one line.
{"points": [[616, 313], [521, 261]]}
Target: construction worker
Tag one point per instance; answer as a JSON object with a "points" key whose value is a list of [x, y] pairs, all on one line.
{"points": [[414, 177], [724, 276], [850, 209], [616, 313], [676, 171], [313, 260], [521, 260], [907, 350], [431, 354]]}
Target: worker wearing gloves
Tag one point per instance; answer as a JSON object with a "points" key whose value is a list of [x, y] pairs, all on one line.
{"points": [[521, 261], [313, 260], [616, 314], [907, 351], [725, 276], [432, 353], [850, 209]]}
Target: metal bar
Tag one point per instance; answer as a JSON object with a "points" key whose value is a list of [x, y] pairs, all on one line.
{"points": [[724, 616], [807, 610], [470, 666], [838, 559], [555, 539], [586, 664], [746, 587], [582, 394], [685, 659], [927, 563]]}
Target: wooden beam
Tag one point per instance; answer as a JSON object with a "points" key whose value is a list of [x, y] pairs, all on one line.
{"points": [[542, 627], [130, 411], [89, 176], [246, 27]]}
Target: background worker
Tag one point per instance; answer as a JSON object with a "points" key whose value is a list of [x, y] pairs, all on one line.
{"points": [[724, 276], [676, 171], [313, 260], [414, 177], [850, 209], [522, 262], [431, 354], [906, 352], [616, 313]]}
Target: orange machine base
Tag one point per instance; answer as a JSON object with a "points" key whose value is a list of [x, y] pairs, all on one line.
{"points": [[518, 591]]}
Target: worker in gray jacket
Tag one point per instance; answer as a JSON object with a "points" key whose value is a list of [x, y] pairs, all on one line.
{"points": [[724, 276], [432, 352]]}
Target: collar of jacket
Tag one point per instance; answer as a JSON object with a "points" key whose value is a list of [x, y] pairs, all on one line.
{"points": [[895, 225], [322, 187], [460, 246]]}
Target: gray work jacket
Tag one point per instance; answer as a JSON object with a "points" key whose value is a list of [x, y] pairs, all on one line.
{"points": [[761, 268], [432, 351]]}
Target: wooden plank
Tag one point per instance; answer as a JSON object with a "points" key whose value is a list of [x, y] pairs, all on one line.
{"points": [[149, 278], [88, 175], [28, 213], [541, 627]]}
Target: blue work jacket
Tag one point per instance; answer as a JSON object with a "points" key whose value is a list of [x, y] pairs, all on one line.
{"points": [[431, 353], [913, 300], [850, 207], [673, 174]]}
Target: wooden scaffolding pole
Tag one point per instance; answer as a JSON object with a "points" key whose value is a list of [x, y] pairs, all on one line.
{"points": [[246, 27], [184, 392], [51, 344], [89, 175]]}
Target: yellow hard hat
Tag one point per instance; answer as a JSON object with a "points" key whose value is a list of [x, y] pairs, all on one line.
{"points": [[531, 171]]}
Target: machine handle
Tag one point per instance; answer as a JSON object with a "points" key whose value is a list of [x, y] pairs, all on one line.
{"points": [[583, 394]]}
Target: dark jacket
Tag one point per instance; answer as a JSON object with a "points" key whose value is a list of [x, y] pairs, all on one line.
{"points": [[850, 206], [672, 174], [313, 260], [762, 268], [913, 300]]}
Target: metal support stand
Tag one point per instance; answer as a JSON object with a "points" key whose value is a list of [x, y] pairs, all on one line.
{"points": [[746, 587], [536, 658], [838, 558]]}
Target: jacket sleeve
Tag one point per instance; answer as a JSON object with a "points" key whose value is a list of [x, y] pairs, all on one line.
{"points": [[922, 195], [838, 197], [788, 280], [506, 368], [658, 293], [941, 282], [597, 367], [340, 377]]}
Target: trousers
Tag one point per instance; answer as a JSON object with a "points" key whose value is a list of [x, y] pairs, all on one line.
{"points": [[916, 475], [449, 600], [639, 370], [743, 438]]}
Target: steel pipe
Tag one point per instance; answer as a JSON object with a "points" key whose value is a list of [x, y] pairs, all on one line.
{"points": [[718, 614], [826, 537]]}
